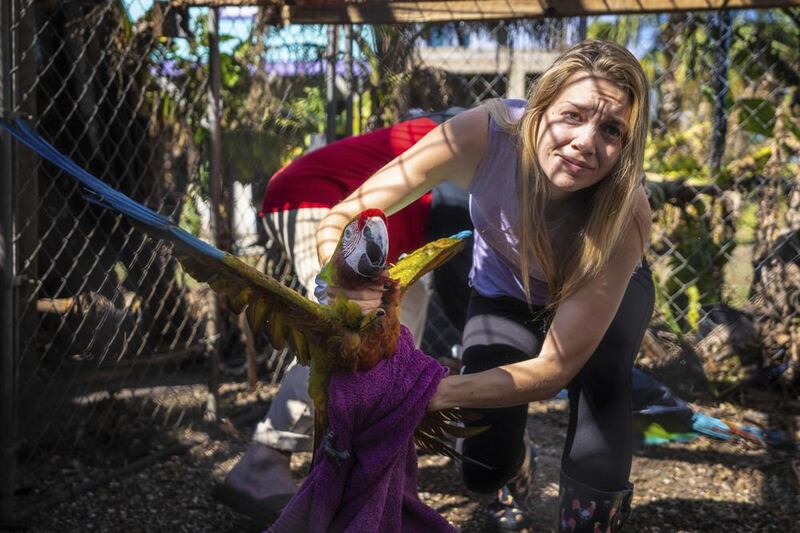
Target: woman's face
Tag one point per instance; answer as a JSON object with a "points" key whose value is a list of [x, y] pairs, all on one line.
{"points": [[581, 133]]}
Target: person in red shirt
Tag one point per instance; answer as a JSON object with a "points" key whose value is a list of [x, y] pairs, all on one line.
{"points": [[297, 198], [322, 178]]}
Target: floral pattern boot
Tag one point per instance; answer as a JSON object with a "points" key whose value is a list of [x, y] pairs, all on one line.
{"points": [[582, 509]]}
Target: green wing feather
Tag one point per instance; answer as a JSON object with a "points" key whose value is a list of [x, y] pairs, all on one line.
{"points": [[283, 314], [426, 258]]}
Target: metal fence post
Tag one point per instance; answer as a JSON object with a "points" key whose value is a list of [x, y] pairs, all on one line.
{"points": [[351, 81], [216, 199], [330, 85], [720, 30], [8, 422]]}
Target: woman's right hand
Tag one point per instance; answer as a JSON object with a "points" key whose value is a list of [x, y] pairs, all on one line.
{"points": [[368, 299]]}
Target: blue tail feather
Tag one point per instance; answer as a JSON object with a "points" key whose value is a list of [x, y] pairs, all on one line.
{"points": [[100, 193], [461, 235], [99, 189]]}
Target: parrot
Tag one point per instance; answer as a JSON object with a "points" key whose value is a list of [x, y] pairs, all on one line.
{"points": [[659, 416], [331, 338]]}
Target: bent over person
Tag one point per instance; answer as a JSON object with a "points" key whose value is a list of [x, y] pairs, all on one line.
{"points": [[297, 199], [561, 292]]}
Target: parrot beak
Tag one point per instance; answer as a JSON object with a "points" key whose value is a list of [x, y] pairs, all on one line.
{"points": [[376, 247]]}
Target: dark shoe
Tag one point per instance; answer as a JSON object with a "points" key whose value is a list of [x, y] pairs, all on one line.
{"points": [[582, 509], [259, 485], [511, 510], [262, 512]]}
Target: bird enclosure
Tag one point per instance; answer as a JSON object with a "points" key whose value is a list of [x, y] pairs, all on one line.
{"points": [[111, 357]]}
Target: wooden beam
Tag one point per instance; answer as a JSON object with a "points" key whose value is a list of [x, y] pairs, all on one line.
{"points": [[388, 12], [224, 3], [465, 10]]}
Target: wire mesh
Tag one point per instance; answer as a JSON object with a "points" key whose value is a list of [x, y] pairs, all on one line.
{"points": [[113, 336], [111, 332]]}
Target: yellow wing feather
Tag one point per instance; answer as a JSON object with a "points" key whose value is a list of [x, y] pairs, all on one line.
{"points": [[270, 306], [425, 259]]}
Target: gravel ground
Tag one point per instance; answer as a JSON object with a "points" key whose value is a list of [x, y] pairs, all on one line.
{"points": [[704, 485]]}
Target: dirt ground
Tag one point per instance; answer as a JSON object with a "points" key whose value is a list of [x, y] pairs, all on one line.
{"points": [[703, 485]]}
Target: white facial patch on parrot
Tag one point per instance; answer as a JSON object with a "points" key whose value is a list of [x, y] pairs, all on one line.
{"points": [[368, 250]]}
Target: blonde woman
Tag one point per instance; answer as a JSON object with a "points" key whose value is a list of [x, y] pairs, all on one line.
{"points": [[561, 296]]}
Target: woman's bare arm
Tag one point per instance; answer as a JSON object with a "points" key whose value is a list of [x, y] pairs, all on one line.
{"points": [[451, 151], [577, 329]]}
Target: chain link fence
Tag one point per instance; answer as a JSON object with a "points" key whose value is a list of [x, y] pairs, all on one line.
{"points": [[111, 335], [112, 341]]}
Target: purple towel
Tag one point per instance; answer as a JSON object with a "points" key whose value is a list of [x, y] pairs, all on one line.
{"points": [[364, 476]]}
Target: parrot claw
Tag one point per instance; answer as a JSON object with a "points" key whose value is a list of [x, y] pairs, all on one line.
{"points": [[327, 447]]}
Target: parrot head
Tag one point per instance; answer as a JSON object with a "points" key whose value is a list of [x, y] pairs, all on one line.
{"points": [[360, 256]]}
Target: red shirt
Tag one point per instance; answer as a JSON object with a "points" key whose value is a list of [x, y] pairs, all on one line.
{"points": [[326, 176]]}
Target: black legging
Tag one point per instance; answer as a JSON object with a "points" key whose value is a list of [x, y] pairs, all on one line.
{"points": [[598, 451]]}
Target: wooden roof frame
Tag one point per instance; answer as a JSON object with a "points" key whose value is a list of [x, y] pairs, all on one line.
{"points": [[402, 12]]}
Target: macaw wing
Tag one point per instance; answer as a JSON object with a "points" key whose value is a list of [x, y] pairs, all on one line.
{"points": [[427, 258], [285, 315]]}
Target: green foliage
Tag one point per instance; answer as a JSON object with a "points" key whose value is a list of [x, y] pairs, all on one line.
{"points": [[362, 109], [747, 223], [696, 261], [623, 30], [693, 307], [310, 110], [756, 115], [232, 73], [121, 272], [190, 218], [258, 146], [664, 309], [792, 127], [675, 152]]}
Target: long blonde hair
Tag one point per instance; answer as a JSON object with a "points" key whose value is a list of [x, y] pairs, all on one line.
{"points": [[612, 199]]}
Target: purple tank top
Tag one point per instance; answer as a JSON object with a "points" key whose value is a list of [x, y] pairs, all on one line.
{"points": [[493, 209]]}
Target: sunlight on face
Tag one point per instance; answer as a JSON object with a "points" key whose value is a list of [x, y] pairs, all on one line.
{"points": [[581, 133]]}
